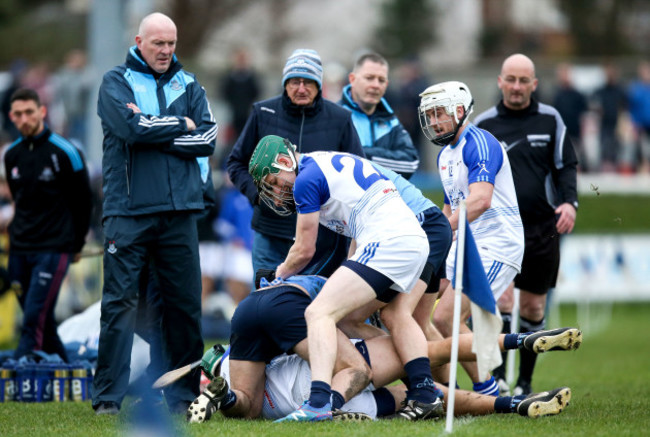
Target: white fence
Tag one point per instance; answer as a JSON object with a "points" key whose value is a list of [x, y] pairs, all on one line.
{"points": [[603, 268]]}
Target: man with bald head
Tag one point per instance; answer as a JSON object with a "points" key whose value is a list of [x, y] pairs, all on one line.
{"points": [[544, 165], [158, 134]]}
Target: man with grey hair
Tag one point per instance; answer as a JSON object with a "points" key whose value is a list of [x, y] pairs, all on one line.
{"points": [[158, 134], [312, 123]]}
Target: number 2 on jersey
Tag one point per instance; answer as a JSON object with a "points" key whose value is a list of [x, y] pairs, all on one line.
{"points": [[362, 180]]}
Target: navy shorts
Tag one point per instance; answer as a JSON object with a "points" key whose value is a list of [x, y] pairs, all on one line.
{"points": [[436, 226], [268, 323], [541, 262]]}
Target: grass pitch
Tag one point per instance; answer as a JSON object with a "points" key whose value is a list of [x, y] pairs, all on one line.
{"points": [[609, 376]]}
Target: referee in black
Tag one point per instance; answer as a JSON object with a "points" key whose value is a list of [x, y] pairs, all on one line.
{"points": [[544, 168]]}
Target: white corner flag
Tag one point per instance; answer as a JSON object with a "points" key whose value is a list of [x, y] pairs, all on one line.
{"points": [[471, 279]]}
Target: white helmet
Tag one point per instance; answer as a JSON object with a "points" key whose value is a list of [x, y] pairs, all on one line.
{"points": [[448, 95]]}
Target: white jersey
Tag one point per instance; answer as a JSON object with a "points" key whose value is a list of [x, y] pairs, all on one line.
{"points": [[288, 383], [478, 157], [354, 198]]}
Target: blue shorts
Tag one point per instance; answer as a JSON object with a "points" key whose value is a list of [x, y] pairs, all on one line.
{"points": [[268, 323], [436, 226]]}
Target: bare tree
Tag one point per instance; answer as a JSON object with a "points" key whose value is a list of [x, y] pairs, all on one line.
{"points": [[197, 19]]}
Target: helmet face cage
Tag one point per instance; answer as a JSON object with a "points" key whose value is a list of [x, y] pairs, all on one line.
{"points": [[447, 95], [281, 201], [428, 122], [265, 161]]}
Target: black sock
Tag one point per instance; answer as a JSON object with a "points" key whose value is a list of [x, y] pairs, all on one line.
{"points": [[507, 404], [337, 400], [422, 388], [230, 401], [385, 402], [527, 358], [511, 341], [320, 394]]}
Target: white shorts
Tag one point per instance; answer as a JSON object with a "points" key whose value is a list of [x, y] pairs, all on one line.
{"points": [[288, 383], [400, 259], [499, 274], [229, 261], [212, 257], [238, 264]]}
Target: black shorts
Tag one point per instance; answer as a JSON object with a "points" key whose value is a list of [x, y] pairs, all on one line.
{"points": [[268, 323], [436, 226], [541, 262]]}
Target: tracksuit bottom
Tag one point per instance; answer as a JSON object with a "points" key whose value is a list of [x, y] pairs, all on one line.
{"points": [[167, 242]]}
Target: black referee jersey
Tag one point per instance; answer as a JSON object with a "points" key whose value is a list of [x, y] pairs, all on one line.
{"points": [[542, 157]]}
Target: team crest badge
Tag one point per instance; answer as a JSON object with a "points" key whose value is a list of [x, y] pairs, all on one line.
{"points": [[111, 247], [176, 85], [47, 175]]}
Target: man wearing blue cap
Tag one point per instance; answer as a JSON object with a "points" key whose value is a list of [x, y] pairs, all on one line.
{"points": [[312, 123]]}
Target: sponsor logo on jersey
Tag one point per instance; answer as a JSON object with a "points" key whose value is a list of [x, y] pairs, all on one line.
{"points": [[47, 175], [539, 140], [511, 145]]}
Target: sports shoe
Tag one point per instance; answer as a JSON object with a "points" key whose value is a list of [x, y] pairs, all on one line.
{"points": [[307, 413], [415, 410], [557, 339], [545, 403], [522, 388], [208, 402], [349, 416], [504, 387], [109, 408]]}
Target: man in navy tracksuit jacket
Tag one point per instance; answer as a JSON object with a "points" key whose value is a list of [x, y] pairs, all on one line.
{"points": [[158, 135], [49, 184], [312, 123]]}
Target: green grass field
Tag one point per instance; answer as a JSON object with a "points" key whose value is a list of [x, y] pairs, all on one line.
{"points": [[605, 213], [609, 376]]}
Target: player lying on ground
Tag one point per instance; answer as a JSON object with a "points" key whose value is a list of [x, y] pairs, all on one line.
{"points": [[270, 322], [288, 381]]}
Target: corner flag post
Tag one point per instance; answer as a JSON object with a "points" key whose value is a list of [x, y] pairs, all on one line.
{"points": [[453, 362]]}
